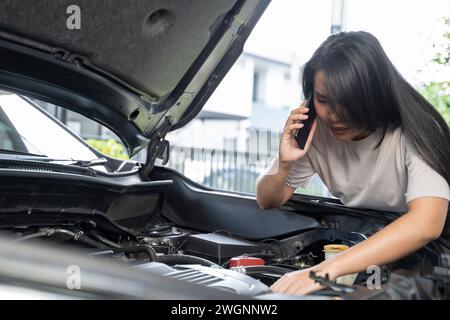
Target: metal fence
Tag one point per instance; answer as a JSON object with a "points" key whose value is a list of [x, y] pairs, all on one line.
{"points": [[219, 169], [228, 170]]}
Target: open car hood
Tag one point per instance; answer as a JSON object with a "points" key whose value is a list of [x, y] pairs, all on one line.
{"points": [[141, 68]]}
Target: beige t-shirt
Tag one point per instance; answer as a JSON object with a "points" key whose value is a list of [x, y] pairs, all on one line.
{"points": [[385, 178]]}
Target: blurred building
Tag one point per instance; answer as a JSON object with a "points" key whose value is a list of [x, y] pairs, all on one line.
{"points": [[250, 105]]}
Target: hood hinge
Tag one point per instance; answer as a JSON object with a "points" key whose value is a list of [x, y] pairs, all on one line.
{"points": [[158, 147]]}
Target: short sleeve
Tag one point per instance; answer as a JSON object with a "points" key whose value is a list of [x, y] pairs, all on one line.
{"points": [[423, 181], [300, 173]]}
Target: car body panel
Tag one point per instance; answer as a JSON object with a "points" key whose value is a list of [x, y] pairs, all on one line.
{"points": [[164, 65]]}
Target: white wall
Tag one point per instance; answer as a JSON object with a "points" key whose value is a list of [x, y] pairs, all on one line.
{"points": [[277, 87], [234, 93]]}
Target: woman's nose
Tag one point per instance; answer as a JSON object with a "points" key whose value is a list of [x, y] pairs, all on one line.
{"points": [[331, 117]]}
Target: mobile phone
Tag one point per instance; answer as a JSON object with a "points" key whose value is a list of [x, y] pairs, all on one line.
{"points": [[301, 135]]}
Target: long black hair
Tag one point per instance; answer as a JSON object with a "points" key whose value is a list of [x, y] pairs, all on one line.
{"points": [[366, 91]]}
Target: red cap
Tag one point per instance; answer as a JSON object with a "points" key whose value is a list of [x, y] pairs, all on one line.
{"points": [[243, 261]]}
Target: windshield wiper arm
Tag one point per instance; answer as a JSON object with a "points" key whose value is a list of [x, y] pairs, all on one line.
{"points": [[81, 163], [45, 164], [90, 163]]}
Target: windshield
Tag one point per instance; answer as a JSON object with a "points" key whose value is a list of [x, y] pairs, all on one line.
{"points": [[26, 129]]}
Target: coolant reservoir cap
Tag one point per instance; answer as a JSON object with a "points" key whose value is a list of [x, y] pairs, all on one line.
{"points": [[244, 261], [335, 248]]}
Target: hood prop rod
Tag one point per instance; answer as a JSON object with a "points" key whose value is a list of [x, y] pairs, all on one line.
{"points": [[158, 147]]}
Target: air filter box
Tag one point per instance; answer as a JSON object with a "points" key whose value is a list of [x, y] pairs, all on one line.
{"points": [[218, 247]]}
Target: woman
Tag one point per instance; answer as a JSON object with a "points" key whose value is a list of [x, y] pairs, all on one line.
{"points": [[376, 143]]}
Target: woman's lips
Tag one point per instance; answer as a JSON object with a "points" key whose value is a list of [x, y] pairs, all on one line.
{"points": [[337, 131]]}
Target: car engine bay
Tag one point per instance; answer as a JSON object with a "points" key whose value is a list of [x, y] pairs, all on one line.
{"points": [[217, 259], [176, 240], [210, 259]]}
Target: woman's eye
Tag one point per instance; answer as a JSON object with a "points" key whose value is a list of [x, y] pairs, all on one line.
{"points": [[321, 101]]}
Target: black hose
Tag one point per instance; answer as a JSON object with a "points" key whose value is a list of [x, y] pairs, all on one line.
{"points": [[186, 259], [79, 236], [105, 241], [105, 244], [145, 248], [101, 243], [131, 249], [40, 234]]}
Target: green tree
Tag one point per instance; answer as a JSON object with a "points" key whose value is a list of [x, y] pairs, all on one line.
{"points": [[438, 93], [109, 147]]}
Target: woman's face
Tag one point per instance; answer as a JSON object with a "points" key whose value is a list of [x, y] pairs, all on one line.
{"points": [[339, 129]]}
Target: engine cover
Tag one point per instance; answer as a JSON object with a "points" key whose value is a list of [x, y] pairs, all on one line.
{"points": [[222, 279]]}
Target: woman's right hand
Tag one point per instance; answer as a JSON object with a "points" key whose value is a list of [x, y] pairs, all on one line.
{"points": [[289, 149]]}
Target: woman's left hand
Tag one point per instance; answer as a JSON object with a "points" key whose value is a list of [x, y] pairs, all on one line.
{"points": [[298, 282]]}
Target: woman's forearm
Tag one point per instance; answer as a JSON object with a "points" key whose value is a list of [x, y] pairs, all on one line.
{"points": [[405, 235], [270, 186]]}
